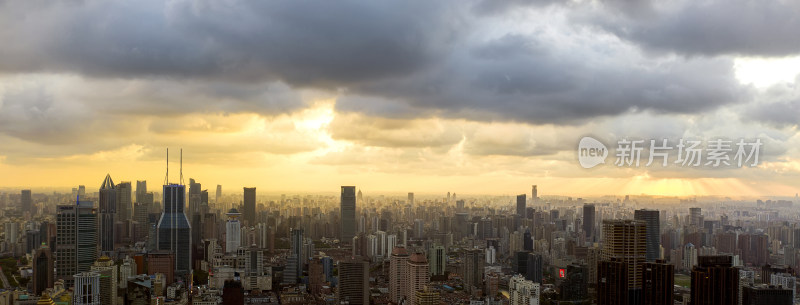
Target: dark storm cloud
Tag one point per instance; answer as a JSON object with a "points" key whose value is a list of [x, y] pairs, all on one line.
{"points": [[300, 42], [525, 78], [737, 27]]}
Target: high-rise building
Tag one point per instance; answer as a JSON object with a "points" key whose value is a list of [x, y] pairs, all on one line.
{"points": [[108, 215], [87, 289], [249, 206], [174, 232], [348, 212], [354, 281], [626, 240], [141, 189], [651, 220], [411, 199], [715, 281], [218, 195], [473, 269], [658, 280], [398, 274], [233, 232], [76, 239], [43, 266], [695, 217], [534, 272], [26, 201], [575, 287], [523, 292], [194, 198], [534, 193], [612, 283], [437, 260], [107, 270], [124, 203], [521, 204], [761, 295], [296, 258], [418, 276], [588, 222]]}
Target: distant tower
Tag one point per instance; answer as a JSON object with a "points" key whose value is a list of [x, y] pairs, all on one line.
{"points": [[87, 289], [107, 215], [534, 193], [411, 198], [141, 190], [173, 230], [588, 222], [26, 201], [124, 204], [249, 206], [77, 246], [194, 198], [233, 232], [348, 212], [521, 203], [218, 195], [651, 219]]}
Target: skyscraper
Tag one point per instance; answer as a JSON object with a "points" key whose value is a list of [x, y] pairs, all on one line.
{"points": [[437, 260], [233, 232], [124, 203], [588, 222], [87, 289], [715, 281], [26, 201], [772, 295], [348, 212], [626, 240], [658, 280], [521, 204], [650, 217], [174, 232], [108, 214], [249, 206], [194, 198], [398, 274], [418, 276], [294, 265], [534, 193], [218, 195], [473, 269], [411, 199], [695, 217], [141, 190], [353, 281], [612, 282], [107, 270], [43, 265], [76, 239]]}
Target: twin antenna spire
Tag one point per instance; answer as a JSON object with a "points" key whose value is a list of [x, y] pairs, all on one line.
{"points": [[166, 178]]}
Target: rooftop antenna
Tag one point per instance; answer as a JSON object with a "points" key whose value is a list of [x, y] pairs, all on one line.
{"points": [[182, 166], [166, 178]]}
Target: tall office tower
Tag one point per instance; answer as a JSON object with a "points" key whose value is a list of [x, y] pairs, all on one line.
{"points": [[535, 271], [249, 206], [316, 275], [218, 195], [398, 274], [33, 239], [140, 212], [141, 189], [785, 280], [612, 283], [194, 198], [650, 217], [81, 192], [520, 263], [521, 204], [43, 265], [76, 239], [695, 217], [689, 256], [124, 203], [473, 269], [233, 232], [715, 281], [87, 289], [766, 294], [348, 212], [294, 266], [105, 267], [523, 292], [353, 281], [534, 193], [658, 281], [626, 240], [108, 215], [438, 260], [411, 199], [574, 287], [418, 276], [26, 202], [173, 230], [588, 222]]}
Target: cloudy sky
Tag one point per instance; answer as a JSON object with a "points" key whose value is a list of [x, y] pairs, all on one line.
{"points": [[426, 96]]}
